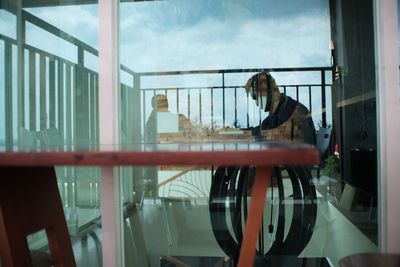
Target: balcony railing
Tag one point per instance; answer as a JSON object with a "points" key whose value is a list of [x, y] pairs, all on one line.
{"points": [[224, 103], [68, 93]]}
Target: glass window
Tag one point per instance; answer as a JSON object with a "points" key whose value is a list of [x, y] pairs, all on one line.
{"points": [[205, 71], [49, 98], [248, 70]]}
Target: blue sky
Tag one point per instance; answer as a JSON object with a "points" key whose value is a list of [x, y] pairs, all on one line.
{"points": [[224, 34], [182, 35], [196, 35]]}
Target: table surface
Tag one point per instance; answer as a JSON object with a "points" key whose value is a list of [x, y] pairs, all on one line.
{"points": [[229, 153]]}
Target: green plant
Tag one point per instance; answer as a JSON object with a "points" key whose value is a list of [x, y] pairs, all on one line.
{"points": [[331, 167]]}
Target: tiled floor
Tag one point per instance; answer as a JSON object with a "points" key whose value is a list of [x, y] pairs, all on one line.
{"points": [[177, 227]]}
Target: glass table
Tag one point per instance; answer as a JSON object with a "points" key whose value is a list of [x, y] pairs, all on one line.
{"points": [[30, 201]]}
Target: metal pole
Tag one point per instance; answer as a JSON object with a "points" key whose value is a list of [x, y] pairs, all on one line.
{"points": [[323, 98], [223, 99]]}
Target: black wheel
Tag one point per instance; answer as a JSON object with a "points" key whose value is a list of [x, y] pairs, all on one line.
{"points": [[228, 210]]}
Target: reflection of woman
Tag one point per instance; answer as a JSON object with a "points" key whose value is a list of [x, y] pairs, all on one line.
{"points": [[287, 120], [159, 103]]}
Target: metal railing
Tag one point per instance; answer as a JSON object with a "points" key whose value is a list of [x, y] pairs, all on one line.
{"points": [[231, 96]]}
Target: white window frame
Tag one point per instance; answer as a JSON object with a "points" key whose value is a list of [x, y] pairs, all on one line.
{"points": [[111, 210], [388, 98]]}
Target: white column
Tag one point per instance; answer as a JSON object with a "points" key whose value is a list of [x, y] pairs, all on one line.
{"points": [[109, 131], [388, 123]]}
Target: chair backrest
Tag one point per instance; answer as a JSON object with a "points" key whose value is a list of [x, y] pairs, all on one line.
{"points": [[50, 136], [323, 139]]}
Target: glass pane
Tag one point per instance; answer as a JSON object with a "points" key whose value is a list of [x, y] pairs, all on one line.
{"points": [[49, 98], [216, 71]]}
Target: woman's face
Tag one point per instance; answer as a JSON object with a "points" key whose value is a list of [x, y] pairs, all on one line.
{"points": [[260, 88]]}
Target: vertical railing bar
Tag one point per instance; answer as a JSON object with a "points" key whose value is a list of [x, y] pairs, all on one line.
{"points": [[32, 91], [76, 83], [310, 98], [8, 94], [297, 93], [92, 117], [131, 120], [42, 79], [155, 104], [74, 78], [60, 107], [78, 90], [68, 114], [247, 112], [212, 109], [284, 90], [56, 92], [86, 93], [81, 56], [96, 109], [200, 109], [223, 99], [137, 107], [60, 99], [323, 98], [123, 111], [236, 118], [52, 93], [90, 109], [188, 91], [68, 104], [177, 100], [144, 109], [21, 35]]}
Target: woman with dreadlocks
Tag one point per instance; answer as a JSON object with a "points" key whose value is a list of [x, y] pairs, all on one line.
{"points": [[287, 120]]}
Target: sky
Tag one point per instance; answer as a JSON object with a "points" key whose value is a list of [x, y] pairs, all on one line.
{"points": [[202, 35], [197, 35], [224, 34]]}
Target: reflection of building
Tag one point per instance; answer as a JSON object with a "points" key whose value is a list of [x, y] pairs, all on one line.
{"points": [[354, 92], [70, 92]]}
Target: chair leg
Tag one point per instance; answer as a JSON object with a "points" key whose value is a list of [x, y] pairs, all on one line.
{"points": [[14, 249], [30, 202]]}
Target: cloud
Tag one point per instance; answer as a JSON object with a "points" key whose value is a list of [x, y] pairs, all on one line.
{"points": [[182, 35], [43, 40], [214, 44], [229, 36], [81, 22]]}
